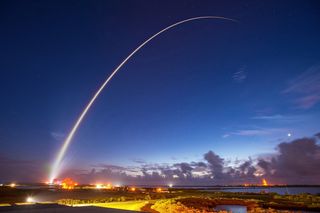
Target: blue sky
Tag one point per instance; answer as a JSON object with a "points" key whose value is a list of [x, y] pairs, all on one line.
{"points": [[235, 88]]}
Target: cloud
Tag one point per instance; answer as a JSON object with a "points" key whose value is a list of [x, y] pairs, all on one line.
{"points": [[248, 169], [225, 135], [215, 163], [268, 117], [185, 168], [258, 131], [58, 136], [252, 132], [139, 161], [307, 101], [240, 75], [295, 162], [281, 118], [109, 166], [305, 88]]}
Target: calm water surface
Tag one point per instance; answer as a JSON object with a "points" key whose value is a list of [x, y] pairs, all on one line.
{"points": [[232, 208], [243, 209], [279, 190]]}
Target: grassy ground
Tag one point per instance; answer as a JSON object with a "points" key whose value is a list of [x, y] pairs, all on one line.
{"points": [[127, 205]]}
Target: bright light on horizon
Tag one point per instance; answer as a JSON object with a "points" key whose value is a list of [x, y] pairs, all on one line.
{"points": [[133, 189], [98, 186], [30, 199], [103, 186]]}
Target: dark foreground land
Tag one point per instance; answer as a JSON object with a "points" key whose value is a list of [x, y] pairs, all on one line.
{"points": [[56, 208], [172, 200]]}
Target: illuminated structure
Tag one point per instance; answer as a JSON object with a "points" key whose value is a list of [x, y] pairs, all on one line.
{"points": [[103, 186], [30, 200]]}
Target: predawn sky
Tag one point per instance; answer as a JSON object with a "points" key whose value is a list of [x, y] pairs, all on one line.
{"points": [[196, 102]]}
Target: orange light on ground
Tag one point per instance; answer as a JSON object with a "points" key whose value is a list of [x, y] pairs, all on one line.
{"points": [[159, 190], [68, 183], [12, 185], [133, 189], [264, 182]]}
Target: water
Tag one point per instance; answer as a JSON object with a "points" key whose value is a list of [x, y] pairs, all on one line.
{"points": [[280, 190], [232, 208], [243, 209]]}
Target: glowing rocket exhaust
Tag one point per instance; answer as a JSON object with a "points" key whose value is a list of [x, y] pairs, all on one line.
{"points": [[56, 165]]}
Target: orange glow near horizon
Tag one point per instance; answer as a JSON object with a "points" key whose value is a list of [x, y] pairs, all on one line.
{"points": [[68, 183], [133, 189], [264, 182]]}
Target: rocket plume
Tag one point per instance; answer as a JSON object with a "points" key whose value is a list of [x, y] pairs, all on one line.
{"points": [[56, 164]]}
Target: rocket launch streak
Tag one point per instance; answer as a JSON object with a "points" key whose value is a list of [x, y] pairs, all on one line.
{"points": [[61, 153]]}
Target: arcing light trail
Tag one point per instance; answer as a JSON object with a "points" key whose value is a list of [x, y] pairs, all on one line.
{"points": [[61, 153]]}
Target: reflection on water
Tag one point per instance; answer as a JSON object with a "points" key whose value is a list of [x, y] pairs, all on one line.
{"points": [[232, 208]]}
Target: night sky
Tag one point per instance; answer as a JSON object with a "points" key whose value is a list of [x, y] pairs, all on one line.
{"points": [[247, 91]]}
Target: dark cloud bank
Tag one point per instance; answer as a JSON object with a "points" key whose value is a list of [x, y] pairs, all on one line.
{"points": [[295, 162]]}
